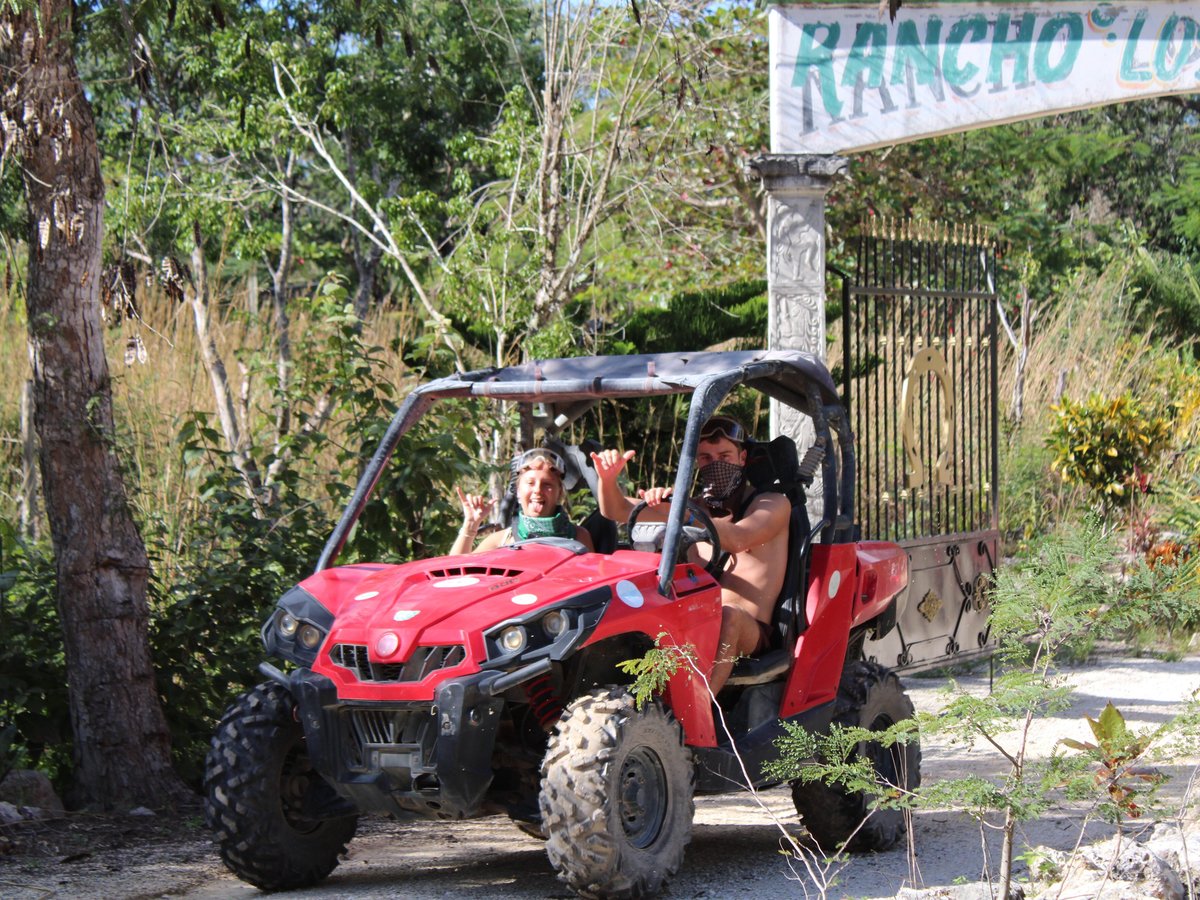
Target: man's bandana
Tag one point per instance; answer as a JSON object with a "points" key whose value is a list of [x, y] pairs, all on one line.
{"points": [[717, 481]]}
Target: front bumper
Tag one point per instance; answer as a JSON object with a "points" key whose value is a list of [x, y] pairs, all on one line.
{"points": [[407, 757]]}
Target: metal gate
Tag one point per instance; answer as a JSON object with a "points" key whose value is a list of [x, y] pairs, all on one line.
{"points": [[919, 366]]}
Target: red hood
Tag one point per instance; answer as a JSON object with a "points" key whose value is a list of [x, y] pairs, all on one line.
{"points": [[452, 600]]}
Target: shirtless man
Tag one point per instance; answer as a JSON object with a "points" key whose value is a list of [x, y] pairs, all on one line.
{"points": [[755, 537]]}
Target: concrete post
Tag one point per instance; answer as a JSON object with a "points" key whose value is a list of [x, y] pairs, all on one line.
{"points": [[796, 187]]}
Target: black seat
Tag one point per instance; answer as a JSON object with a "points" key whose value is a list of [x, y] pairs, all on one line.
{"points": [[602, 530]]}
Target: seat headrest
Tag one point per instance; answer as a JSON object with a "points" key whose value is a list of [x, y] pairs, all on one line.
{"points": [[577, 462], [771, 463]]}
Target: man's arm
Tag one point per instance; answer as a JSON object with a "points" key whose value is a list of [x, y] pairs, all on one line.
{"points": [[767, 516], [616, 505], [613, 502]]}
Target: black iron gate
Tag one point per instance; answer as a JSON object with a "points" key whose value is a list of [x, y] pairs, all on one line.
{"points": [[919, 345]]}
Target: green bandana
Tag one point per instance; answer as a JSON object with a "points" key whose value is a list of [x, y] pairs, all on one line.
{"points": [[557, 525]]}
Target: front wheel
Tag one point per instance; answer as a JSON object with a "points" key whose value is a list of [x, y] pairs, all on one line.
{"points": [[871, 697], [276, 821], [616, 797]]}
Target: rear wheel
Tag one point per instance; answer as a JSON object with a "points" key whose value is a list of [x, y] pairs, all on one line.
{"points": [[616, 796], [871, 697], [277, 823]]}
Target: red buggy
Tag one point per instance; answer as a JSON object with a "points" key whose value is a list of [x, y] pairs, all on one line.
{"points": [[485, 684]]}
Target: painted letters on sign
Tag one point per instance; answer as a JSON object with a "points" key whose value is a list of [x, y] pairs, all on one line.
{"points": [[847, 78]]}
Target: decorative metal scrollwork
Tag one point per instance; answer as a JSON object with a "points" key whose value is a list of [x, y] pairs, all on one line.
{"points": [[983, 587]]}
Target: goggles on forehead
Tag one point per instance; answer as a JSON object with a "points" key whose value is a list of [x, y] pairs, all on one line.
{"points": [[723, 427], [526, 460]]}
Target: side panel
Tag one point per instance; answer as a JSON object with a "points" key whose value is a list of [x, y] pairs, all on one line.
{"points": [[689, 621], [882, 574], [821, 649]]}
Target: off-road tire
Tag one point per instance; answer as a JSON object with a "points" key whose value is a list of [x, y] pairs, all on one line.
{"points": [[616, 798], [869, 696], [257, 776]]}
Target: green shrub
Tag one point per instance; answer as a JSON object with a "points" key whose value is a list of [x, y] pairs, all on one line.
{"points": [[208, 611], [1029, 506], [1106, 444], [34, 707], [1167, 590]]}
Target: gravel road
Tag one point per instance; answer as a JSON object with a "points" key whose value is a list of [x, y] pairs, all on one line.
{"points": [[735, 846]]}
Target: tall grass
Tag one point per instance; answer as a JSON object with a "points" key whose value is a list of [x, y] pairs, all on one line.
{"points": [[1087, 340], [155, 390], [1094, 338]]}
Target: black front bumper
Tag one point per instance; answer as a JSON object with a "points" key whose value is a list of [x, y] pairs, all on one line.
{"points": [[403, 758]]}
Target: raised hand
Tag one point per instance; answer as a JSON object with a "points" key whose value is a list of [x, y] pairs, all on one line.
{"points": [[475, 509], [609, 463]]}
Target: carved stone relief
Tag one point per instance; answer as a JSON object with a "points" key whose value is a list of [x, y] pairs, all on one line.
{"points": [[797, 247], [796, 321], [796, 187]]}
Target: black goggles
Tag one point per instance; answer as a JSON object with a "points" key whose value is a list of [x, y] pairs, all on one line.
{"points": [[723, 427]]}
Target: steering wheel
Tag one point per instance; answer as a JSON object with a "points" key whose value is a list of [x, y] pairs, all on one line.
{"points": [[706, 533]]}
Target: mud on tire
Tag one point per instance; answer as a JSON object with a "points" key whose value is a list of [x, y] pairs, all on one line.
{"points": [[869, 696], [264, 801], [616, 797]]}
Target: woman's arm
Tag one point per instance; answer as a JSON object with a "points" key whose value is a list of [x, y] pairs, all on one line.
{"points": [[475, 509]]}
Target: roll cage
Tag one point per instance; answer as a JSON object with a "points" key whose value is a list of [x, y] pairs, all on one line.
{"points": [[567, 387]]}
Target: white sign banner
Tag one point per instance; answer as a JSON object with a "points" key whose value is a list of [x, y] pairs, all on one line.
{"points": [[847, 78]]}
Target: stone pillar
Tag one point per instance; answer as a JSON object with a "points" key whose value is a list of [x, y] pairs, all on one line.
{"points": [[796, 187]]}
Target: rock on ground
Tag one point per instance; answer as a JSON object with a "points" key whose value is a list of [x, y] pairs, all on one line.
{"points": [[29, 787]]}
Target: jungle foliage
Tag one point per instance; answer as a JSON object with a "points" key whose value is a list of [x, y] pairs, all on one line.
{"points": [[312, 206]]}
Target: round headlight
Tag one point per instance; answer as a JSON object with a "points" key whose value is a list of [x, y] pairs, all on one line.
{"points": [[512, 639], [555, 623], [387, 644], [309, 636], [288, 624]]}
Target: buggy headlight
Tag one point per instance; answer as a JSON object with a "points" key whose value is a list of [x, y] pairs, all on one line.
{"points": [[297, 627], [288, 624], [551, 632], [513, 639], [309, 636], [555, 623]]}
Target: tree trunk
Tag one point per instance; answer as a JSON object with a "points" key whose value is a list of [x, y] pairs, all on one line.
{"points": [[31, 485], [1007, 837], [122, 745]]}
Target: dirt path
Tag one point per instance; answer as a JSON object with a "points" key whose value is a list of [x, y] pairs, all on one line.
{"points": [[734, 850]]}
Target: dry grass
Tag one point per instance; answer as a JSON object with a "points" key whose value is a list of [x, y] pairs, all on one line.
{"points": [[154, 393], [1087, 342]]}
